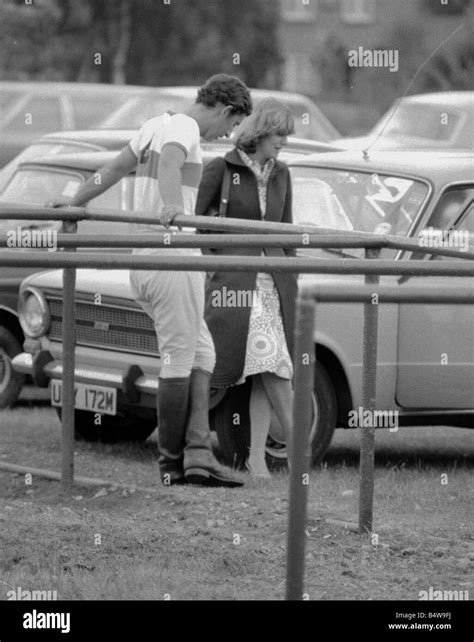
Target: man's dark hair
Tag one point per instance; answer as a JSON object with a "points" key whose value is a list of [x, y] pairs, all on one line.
{"points": [[228, 90]]}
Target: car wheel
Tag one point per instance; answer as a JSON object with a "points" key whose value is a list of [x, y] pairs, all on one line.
{"points": [[11, 382], [325, 413], [230, 419], [125, 426]]}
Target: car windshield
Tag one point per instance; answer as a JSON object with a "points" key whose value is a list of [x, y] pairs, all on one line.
{"points": [[38, 186], [136, 111], [421, 121], [359, 201], [7, 98], [311, 124], [35, 151]]}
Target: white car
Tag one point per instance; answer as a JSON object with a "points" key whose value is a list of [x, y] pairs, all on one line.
{"points": [[438, 121], [407, 193]]}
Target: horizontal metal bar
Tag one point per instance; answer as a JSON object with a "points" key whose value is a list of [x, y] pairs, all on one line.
{"points": [[302, 265], [12, 210], [229, 225], [170, 240], [335, 293], [415, 245]]}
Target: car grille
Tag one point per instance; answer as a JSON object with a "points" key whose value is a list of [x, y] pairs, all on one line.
{"points": [[108, 327]]}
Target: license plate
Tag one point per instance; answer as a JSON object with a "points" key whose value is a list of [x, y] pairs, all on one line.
{"points": [[87, 397]]}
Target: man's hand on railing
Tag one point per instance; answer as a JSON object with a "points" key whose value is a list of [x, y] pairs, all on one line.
{"points": [[59, 202], [168, 213]]}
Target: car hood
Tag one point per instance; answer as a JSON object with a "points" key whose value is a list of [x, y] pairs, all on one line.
{"points": [[116, 283], [383, 143]]}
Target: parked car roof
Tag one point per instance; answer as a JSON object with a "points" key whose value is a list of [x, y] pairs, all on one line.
{"points": [[78, 87], [441, 120], [318, 127], [90, 161], [452, 98], [421, 164], [107, 138]]}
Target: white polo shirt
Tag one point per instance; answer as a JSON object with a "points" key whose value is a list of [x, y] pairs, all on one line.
{"points": [[147, 145]]}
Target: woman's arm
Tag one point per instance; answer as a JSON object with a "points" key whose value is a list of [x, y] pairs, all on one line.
{"points": [[210, 186], [288, 209]]}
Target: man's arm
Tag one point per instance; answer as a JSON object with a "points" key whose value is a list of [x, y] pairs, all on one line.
{"points": [[170, 183], [104, 178]]}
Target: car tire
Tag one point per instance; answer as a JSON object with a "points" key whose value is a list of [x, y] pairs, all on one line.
{"points": [[125, 426], [11, 382], [325, 407], [231, 420]]}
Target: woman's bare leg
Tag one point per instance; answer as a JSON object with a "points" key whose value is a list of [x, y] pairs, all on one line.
{"points": [[280, 395], [260, 416]]}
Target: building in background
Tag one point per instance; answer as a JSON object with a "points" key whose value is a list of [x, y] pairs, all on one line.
{"points": [[317, 35]]}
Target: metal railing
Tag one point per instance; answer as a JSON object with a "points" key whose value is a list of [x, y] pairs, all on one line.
{"points": [[260, 235]]}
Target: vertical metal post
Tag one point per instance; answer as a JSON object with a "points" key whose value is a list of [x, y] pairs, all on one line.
{"points": [[300, 451], [367, 433], [69, 340]]}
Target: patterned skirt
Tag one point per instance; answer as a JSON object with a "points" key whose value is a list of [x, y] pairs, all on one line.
{"points": [[266, 343]]}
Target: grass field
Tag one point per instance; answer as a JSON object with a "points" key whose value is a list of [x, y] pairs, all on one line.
{"points": [[195, 543]]}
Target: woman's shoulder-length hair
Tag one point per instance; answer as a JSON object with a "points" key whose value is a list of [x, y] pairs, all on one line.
{"points": [[270, 116]]}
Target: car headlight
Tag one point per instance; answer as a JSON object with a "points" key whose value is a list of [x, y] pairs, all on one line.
{"points": [[34, 313]]}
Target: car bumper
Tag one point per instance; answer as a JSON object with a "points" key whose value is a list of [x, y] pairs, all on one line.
{"points": [[42, 370]]}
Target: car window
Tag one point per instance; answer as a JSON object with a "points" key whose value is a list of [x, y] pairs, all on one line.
{"points": [[355, 200], [350, 200], [39, 150], [450, 207], [90, 111], [452, 223], [39, 115], [311, 124], [467, 222], [423, 121], [136, 111], [7, 99], [37, 186]]}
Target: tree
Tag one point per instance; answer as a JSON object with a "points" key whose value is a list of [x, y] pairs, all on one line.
{"points": [[185, 41], [150, 42], [25, 33], [451, 70]]}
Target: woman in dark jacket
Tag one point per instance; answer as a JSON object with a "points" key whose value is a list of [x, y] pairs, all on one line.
{"points": [[251, 316]]}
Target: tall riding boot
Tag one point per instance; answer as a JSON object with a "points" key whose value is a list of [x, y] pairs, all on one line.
{"points": [[200, 465], [172, 411]]}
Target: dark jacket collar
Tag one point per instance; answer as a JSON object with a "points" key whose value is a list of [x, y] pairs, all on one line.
{"points": [[233, 158]]}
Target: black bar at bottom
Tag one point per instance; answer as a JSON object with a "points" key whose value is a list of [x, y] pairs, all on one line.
{"points": [[302, 621]]}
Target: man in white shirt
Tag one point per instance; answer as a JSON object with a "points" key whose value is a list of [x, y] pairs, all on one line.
{"points": [[167, 155]]}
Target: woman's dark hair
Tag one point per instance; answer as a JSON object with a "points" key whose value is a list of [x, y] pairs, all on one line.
{"points": [[228, 90]]}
